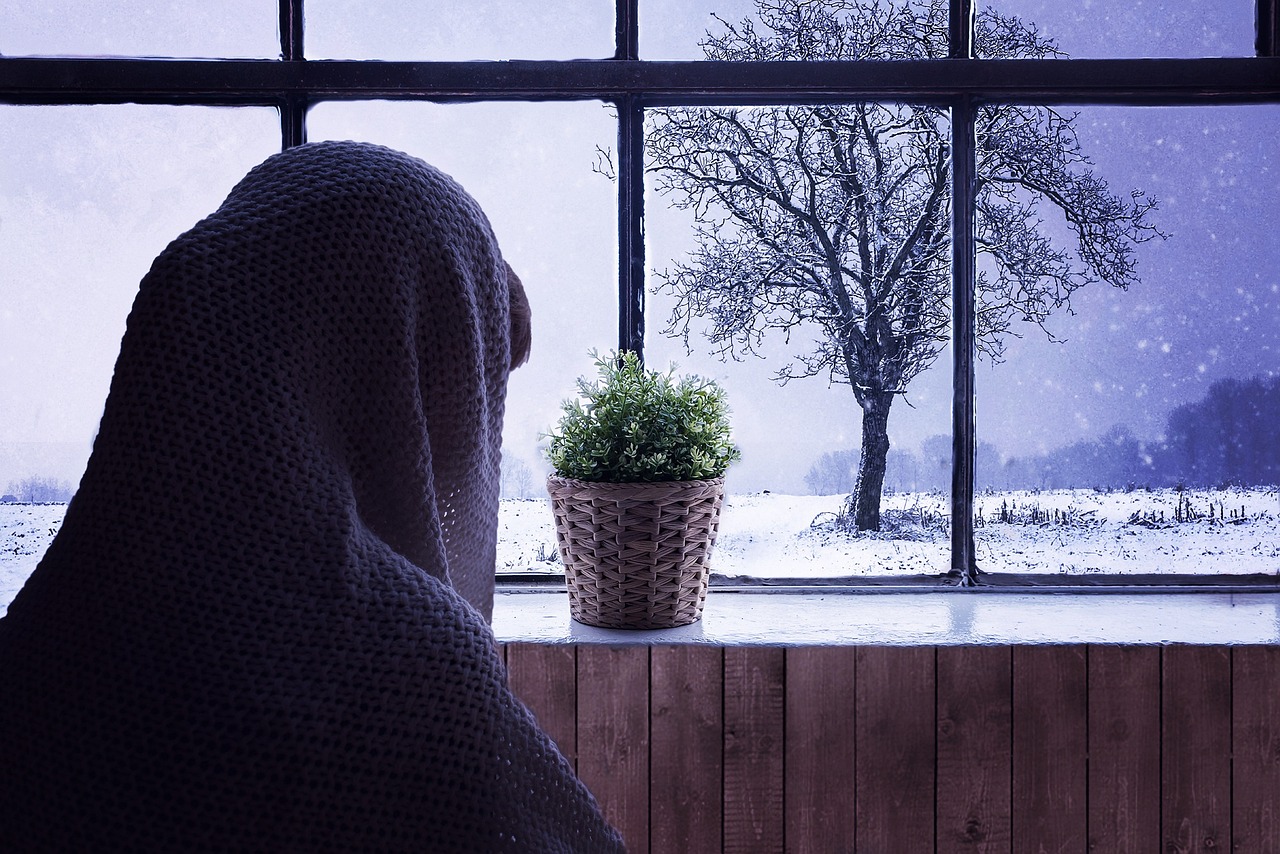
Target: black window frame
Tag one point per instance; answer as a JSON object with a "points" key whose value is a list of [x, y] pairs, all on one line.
{"points": [[961, 83]]}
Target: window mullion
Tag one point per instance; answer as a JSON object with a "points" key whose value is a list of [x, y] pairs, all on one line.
{"points": [[630, 190], [1268, 28], [963, 306], [293, 109], [293, 121], [961, 21], [291, 18], [627, 33], [631, 257], [963, 339]]}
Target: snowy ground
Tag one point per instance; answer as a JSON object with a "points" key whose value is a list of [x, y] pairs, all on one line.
{"points": [[25, 532], [1077, 531]]}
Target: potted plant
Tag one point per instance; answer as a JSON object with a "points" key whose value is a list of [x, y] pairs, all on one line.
{"points": [[638, 481]]}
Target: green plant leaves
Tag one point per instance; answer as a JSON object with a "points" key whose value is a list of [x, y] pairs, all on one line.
{"points": [[638, 425]]}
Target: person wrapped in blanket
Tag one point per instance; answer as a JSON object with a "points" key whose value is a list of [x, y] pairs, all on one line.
{"points": [[264, 622]]}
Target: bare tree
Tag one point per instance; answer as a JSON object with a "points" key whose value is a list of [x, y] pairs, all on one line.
{"points": [[832, 473], [831, 223], [515, 478]]}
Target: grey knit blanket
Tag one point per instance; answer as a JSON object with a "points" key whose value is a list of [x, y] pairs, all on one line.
{"points": [[263, 624]]}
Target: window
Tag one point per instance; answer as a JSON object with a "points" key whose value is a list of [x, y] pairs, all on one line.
{"points": [[1115, 29], [449, 30], [1194, 128], [1139, 428], [234, 28]]}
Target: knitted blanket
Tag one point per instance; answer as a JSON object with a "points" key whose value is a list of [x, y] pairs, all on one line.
{"points": [[263, 624]]}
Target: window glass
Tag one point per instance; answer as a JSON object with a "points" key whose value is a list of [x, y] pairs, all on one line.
{"points": [[768, 30], [530, 166], [1137, 431], [670, 29], [1120, 430], [440, 30], [227, 29], [815, 285], [88, 197], [1102, 29]]}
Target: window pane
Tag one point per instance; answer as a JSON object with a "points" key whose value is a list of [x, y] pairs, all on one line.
{"points": [[773, 256], [761, 30], [1101, 29], [530, 166], [439, 30], [227, 29], [88, 197], [1138, 431]]}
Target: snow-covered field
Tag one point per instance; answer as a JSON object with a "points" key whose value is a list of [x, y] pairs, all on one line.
{"points": [[1077, 531], [25, 532]]}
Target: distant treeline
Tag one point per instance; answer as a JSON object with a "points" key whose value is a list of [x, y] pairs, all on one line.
{"points": [[38, 490], [1230, 437]]}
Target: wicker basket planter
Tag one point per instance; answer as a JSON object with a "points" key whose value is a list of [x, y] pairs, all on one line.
{"points": [[636, 555]]}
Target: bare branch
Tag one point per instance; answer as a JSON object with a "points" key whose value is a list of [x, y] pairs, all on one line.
{"points": [[828, 226], [604, 164]]}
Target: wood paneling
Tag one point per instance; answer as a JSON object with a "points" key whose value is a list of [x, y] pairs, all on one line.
{"points": [[920, 750], [1050, 749], [1124, 749], [686, 792], [546, 678], [753, 745], [820, 783], [1255, 820], [897, 749], [1195, 750], [613, 735], [975, 725]]}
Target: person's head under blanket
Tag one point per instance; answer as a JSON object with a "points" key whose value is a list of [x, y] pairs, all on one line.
{"points": [[263, 622]]}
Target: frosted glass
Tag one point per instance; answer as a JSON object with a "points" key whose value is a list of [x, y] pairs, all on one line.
{"points": [[184, 28], [88, 197], [438, 30]]}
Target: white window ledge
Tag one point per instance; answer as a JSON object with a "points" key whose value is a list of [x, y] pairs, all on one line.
{"points": [[915, 618]]}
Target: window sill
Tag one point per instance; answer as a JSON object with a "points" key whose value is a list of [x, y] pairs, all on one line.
{"points": [[955, 618]]}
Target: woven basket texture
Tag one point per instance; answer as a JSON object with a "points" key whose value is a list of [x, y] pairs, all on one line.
{"points": [[636, 555]]}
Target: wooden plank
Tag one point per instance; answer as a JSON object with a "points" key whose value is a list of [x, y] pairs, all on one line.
{"points": [[819, 783], [753, 744], [545, 677], [974, 749], [1196, 749], [1124, 749], [613, 735], [687, 738], [896, 749], [1255, 686], [1050, 739]]}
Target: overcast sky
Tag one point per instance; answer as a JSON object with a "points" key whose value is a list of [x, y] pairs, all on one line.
{"points": [[89, 196]]}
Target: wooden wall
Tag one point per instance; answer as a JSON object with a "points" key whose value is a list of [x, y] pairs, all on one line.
{"points": [[919, 749]]}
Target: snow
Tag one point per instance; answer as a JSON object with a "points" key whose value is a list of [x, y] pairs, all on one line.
{"points": [[792, 536], [25, 532], [770, 534]]}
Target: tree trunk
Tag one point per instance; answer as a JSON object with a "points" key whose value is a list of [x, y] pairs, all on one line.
{"points": [[864, 503]]}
